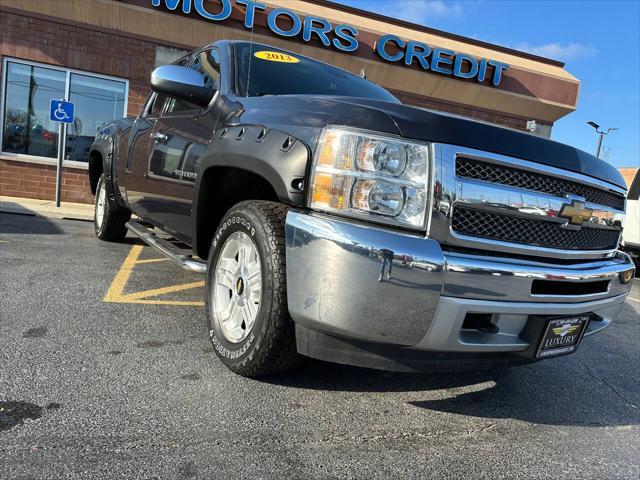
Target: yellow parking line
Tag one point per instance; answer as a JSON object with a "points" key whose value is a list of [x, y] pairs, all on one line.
{"points": [[116, 294], [165, 290], [152, 260], [175, 303], [4, 241], [116, 290], [634, 299]]}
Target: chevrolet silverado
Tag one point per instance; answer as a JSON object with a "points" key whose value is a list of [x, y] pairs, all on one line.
{"points": [[334, 222]]}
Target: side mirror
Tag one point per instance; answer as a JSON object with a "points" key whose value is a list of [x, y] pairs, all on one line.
{"points": [[182, 83]]}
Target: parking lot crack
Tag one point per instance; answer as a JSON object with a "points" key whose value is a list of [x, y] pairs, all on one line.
{"points": [[592, 374], [476, 431]]}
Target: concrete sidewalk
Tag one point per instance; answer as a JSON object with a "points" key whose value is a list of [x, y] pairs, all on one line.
{"points": [[46, 208]]}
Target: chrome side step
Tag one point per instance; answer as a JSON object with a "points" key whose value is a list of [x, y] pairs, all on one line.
{"points": [[168, 249]]}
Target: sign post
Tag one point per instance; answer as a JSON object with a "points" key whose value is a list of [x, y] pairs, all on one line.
{"points": [[61, 111]]}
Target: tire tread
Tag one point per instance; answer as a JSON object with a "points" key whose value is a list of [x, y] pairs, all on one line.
{"points": [[114, 228], [278, 349]]}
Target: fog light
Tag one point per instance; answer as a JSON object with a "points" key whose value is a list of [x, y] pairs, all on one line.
{"points": [[627, 276]]}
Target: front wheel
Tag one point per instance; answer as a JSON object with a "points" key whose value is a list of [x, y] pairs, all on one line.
{"points": [[109, 220], [249, 323]]}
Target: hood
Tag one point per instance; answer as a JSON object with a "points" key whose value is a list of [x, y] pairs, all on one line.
{"points": [[304, 115], [419, 124]]}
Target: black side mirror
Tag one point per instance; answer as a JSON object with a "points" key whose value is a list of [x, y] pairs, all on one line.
{"points": [[182, 83]]}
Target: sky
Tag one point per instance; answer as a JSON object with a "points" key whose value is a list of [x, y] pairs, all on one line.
{"points": [[598, 40]]}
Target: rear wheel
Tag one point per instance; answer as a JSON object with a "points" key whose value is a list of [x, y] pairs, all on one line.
{"points": [[249, 323], [109, 220]]}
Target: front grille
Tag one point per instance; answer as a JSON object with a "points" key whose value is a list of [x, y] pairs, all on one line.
{"points": [[491, 172], [543, 233]]}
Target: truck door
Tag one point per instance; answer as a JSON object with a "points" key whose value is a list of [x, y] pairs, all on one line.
{"points": [[179, 138], [134, 157]]}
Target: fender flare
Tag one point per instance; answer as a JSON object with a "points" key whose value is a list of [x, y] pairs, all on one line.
{"points": [[107, 144], [280, 159], [104, 150]]}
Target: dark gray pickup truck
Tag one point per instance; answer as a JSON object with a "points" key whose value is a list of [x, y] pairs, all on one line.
{"points": [[331, 221]]}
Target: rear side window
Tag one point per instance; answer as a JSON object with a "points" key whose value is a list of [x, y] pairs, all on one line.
{"points": [[263, 70]]}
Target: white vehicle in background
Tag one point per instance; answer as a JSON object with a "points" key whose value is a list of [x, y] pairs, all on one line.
{"points": [[631, 232]]}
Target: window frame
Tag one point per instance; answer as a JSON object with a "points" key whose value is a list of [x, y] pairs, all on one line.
{"points": [[23, 157]]}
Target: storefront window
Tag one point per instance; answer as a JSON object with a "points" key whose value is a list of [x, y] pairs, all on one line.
{"points": [[28, 89], [27, 128], [97, 100]]}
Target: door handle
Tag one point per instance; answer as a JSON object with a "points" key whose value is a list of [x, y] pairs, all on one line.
{"points": [[159, 137]]}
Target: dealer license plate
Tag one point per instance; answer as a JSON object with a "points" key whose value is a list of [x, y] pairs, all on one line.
{"points": [[562, 335]]}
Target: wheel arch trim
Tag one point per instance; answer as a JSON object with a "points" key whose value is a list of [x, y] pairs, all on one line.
{"points": [[250, 149]]}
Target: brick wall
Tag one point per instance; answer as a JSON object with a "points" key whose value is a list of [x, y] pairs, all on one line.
{"points": [[69, 46], [30, 180], [81, 48], [629, 174], [497, 118]]}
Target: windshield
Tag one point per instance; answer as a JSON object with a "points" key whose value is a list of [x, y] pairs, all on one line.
{"points": [[272, 71]]}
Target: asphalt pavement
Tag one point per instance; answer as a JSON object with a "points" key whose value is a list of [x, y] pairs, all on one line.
{"points": [[106, 372]]}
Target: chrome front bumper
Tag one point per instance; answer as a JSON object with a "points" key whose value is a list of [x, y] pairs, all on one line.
{"points": [[333, 270]]}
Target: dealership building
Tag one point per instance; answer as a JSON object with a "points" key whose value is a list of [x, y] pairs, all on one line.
{"points": [[99, 54]]}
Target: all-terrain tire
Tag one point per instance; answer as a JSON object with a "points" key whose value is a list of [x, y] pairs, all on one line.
{"points": [[109, 220], [269, 346]]}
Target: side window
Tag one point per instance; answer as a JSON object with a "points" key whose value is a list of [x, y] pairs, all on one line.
{"points": [[208, 64], [167, 158], [178, 159], [156, 101]]}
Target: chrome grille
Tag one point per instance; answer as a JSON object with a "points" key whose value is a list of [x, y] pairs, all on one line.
{"points": [[544, 233], [515, 177]]}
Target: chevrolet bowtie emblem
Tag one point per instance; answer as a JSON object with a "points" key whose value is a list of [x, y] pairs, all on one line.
{"points": [[575, 212]]}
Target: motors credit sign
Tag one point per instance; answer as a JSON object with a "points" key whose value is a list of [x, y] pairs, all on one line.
{"points": [[284, 22]]}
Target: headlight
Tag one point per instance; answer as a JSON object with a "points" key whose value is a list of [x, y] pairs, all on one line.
{"points": [[358, 174]]}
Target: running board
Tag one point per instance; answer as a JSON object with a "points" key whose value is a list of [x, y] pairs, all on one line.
{"points": [[167, 248]]}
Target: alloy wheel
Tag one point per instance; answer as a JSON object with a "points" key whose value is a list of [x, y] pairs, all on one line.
{"points": [[237, 289], [101, 204]]}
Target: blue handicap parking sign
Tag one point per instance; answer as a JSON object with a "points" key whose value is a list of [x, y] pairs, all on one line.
{"points": [[61, 111]]}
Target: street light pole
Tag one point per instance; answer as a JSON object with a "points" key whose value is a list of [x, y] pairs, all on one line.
{"points": [[601, 134], [600, 137]]}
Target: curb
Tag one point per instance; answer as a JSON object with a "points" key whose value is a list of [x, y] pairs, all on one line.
{"points": [[46, 208]]}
